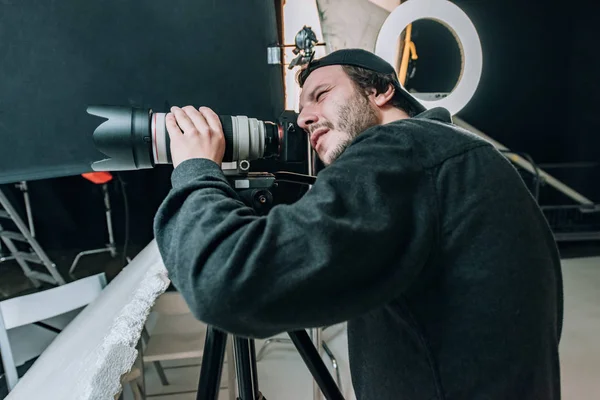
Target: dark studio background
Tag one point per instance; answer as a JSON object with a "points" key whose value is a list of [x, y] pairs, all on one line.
{"points": [[536, 95], [59, 57], [539, 85]]}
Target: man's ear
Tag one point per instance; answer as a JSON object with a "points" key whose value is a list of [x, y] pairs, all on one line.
{"points": [[384, 98]]}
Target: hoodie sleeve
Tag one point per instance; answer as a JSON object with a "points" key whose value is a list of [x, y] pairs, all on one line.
{"points": [[355, 241]]}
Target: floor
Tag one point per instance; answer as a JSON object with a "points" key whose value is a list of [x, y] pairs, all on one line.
{"points": [[282, 373], [580, 344]]}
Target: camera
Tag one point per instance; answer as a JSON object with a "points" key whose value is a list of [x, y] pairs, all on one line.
{"points": [[137, 138]]}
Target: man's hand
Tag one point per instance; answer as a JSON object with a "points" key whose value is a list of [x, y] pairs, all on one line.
{"points": [[202, 135]]}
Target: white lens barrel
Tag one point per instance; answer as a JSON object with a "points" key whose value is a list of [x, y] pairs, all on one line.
{"points": [[247, 138], [257, 138], [160, 142], [241, 131]]}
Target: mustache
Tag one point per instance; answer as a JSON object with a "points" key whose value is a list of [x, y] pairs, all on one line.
{"points": [[325, 124]]}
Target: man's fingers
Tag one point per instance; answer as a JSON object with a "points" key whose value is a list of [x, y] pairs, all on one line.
{"points": [[184, 122], [198, 120], [172, 127], [212, 119]]}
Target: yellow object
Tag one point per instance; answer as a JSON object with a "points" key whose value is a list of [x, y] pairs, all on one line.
{"points": [[410, 52]]}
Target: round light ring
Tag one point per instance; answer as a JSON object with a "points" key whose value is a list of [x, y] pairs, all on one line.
{"points": [[451, 16]]}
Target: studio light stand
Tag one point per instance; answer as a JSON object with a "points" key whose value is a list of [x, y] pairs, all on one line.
{"points": [[100, 178], [256, 193]]}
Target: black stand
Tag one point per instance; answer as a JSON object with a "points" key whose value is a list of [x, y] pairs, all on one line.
{"points": [[257, 194], [245, 362]]}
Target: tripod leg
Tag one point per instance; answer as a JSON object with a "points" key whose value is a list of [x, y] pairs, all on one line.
{"points": [[315, 364], [231, 382], [252, 353], [245, 363], [212, 364]]}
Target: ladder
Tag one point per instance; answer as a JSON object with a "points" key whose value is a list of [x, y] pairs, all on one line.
{"points": [[35, 255]]}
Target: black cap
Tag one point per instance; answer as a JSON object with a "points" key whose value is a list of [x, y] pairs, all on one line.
{"points": [[364, 59]]}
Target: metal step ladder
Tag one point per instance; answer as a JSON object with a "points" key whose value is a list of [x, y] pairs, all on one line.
{"points": [[14, 242]]}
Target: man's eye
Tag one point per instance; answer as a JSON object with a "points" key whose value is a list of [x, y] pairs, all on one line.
{"points": [[319, 95]]}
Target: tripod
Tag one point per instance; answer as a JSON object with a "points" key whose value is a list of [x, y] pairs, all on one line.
{"points": [[257, 194], [245, 363]]}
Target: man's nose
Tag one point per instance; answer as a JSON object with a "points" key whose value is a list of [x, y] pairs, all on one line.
{"points": [[306, 118]]}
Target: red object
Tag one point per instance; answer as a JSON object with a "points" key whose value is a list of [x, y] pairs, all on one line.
{"points": [[99, 178]]}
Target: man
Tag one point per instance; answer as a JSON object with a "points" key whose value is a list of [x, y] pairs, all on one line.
{"points": [[419, 234]]}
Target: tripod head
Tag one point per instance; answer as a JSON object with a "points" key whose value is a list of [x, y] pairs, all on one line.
{"points": [[256, 188]]}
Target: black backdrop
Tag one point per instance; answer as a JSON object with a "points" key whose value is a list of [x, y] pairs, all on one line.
{"points": [[539, 88], [57, 57], [538, 92]]}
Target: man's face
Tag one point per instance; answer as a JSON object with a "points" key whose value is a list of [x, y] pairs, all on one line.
{"points": [[333, 111]]}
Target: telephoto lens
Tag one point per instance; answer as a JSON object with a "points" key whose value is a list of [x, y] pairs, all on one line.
{"points": [[136, 138]]}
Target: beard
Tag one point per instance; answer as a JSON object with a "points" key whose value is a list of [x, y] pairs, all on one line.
{"points": [[354, 117]]}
